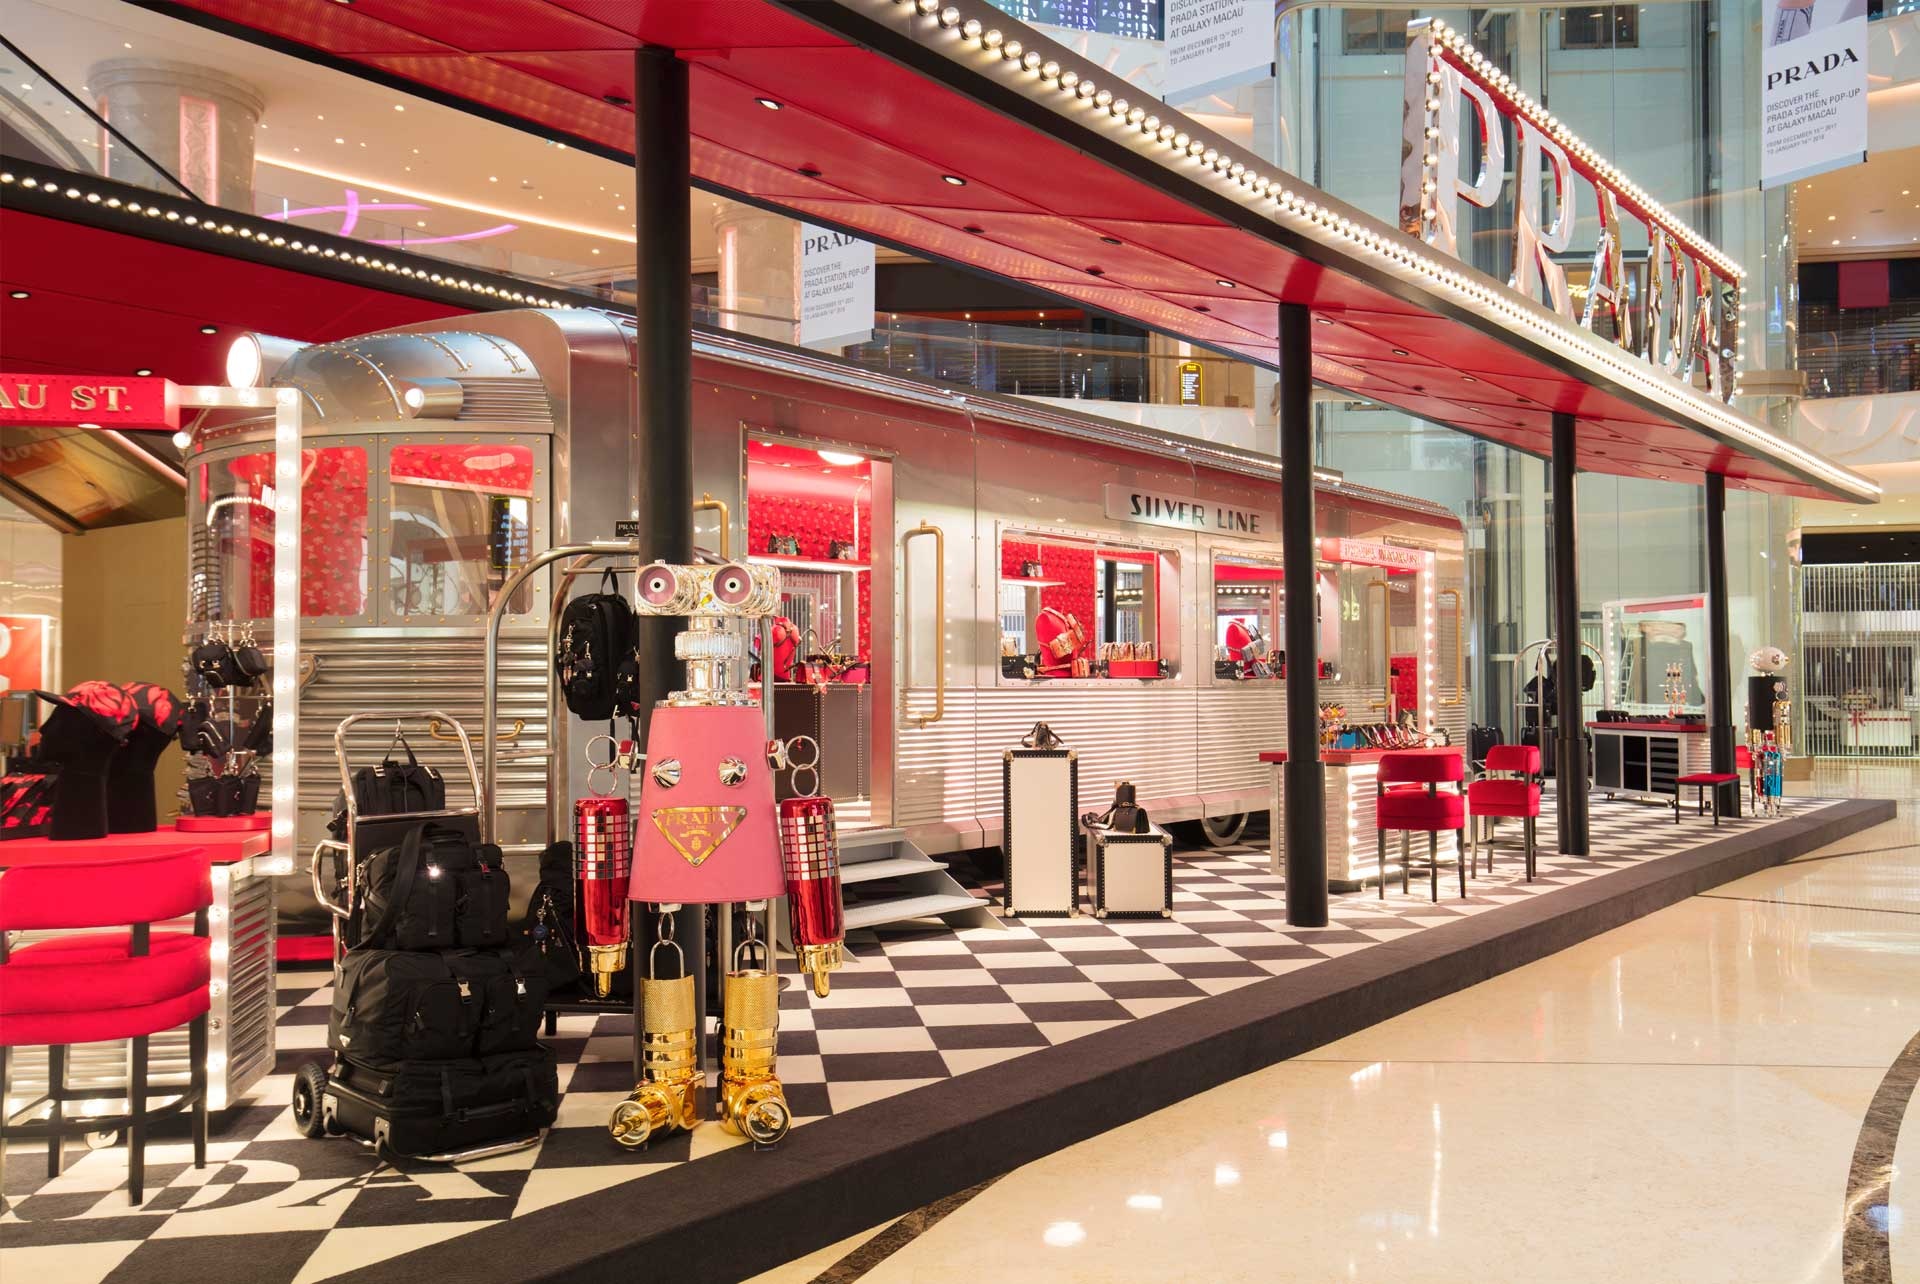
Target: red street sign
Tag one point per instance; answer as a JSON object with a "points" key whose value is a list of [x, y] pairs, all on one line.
{"points": [[100, 401]]}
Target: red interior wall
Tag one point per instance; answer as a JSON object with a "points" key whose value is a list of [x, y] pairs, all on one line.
{"points": [[817, 523], [1071, 563]]}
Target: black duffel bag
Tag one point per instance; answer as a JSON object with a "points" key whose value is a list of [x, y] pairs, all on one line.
{"points": [[434, 1005], [436, 889], [391, 789], [420, 1108]]}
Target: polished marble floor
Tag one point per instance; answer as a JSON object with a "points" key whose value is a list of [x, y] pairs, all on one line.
{"points": [[1711, 1093]]}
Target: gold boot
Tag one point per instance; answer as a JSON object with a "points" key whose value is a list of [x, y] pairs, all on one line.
{"points": [[668, 1094], [752, 1102]]}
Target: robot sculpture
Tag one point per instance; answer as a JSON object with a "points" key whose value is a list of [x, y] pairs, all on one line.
{"points": [[709, 833], [1769, 711]]}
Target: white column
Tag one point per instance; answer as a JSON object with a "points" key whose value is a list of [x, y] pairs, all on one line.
{"points": [[196, 123]]}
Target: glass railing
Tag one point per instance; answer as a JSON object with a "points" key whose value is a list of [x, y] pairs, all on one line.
{"points": [[1860, 352]]}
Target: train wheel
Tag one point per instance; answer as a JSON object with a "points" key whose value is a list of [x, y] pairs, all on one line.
{"points": [[309, 1086], [1223, 831]]}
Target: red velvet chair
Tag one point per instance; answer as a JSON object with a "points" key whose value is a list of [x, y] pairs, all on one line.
{"points": [[93, 987], [1743, 761], [1422, 808], [1510, 788]]}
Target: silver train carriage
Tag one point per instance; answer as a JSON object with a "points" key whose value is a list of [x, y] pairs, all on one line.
{"points": [[940, 549]]}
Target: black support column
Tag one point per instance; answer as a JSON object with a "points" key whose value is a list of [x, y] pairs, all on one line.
{"points": [[1720, 672], [660, 453], [1570, 751], [1306, 818]]}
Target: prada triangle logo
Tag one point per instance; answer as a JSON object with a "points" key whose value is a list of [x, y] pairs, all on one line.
{"points": [[697, 832]]}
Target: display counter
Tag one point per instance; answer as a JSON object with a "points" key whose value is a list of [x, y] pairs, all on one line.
{"points": [[1642, 759], [240, 924], [1353, 850]]}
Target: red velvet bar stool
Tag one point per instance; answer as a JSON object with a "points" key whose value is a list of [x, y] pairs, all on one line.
{"points": [[94, 987], [1706, 787], [1510, 788], [1743, 761], [1425, 809]]}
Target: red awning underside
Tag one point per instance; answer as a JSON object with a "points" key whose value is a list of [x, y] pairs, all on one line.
{"points": [[882, 136], [103, 302]]}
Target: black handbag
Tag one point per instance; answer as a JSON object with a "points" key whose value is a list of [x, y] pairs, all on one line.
{"points": [[1041, 737], [1126, 816], [391, 789], [26, 804], [840, 550], [545, 941], [436, 889]]}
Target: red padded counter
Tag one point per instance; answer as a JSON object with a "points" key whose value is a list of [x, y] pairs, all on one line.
{"points": [[220, 849]]}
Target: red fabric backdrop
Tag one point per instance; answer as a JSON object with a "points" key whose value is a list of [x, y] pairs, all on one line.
{"points": [[817, 523], [1070, 563]]}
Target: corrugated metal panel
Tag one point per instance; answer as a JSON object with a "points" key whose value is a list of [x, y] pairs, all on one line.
{"points": [[503, 400], [1859, 660], [405, 677]]}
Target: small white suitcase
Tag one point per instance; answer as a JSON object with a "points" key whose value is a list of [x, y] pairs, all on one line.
{"points": [[1132, 873]]}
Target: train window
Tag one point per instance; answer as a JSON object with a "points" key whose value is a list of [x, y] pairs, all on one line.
{"points": [[460, 516], [233, 549], [1079, 609], [1247, 606]]}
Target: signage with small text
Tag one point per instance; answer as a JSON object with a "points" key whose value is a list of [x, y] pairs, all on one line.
{"points": [[97, 401], [1184, 512]]}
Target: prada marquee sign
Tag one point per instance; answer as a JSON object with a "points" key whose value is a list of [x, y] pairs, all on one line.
{"points": [[1687, 322], [89, 401]]}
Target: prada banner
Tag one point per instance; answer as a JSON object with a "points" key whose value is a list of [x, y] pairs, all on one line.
{"points": [[1813, 88]]}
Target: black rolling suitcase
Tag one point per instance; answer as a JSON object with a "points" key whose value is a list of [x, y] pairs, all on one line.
{"points": [[444, 1109]]}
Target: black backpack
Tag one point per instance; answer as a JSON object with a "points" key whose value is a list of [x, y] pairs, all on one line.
{"points": [[597, 632], [390, 789], [545, 936], [436, 889], [434, 1005]]}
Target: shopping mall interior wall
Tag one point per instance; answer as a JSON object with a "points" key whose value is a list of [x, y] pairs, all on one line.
{"points": [[125, 615], [29, 601]]}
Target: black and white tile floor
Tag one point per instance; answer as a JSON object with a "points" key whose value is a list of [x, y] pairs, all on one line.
{"points": [[913, 1008]]}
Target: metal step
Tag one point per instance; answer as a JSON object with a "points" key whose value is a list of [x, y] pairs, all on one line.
{"points": [[932, 905], [869, 844], [867, 871]]}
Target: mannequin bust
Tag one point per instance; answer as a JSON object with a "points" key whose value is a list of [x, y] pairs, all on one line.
{"points": [[130, 802], [81, 737]]}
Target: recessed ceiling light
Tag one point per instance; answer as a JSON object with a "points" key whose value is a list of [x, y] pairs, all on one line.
{"points": [[973, 229], [809, 171], [1468, 379], [399, 107], [1201, 307], [1110, 240], [1323, 320], [143, 372], [1224, 284], [341, 141], [209, 329], [19, 294], [768, 103], [616, 100], [1094, 271], [95, 427], [1832, 217], [953, 179], [1400, 352], [491, 178]]}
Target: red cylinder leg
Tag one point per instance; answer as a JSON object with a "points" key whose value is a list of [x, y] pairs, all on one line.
{"points": [[602, 865], [810, 850]]}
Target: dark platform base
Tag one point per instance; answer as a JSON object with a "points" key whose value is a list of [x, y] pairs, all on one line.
{"points": [[737, 1213]]}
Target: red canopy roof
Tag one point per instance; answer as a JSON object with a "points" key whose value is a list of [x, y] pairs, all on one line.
{"points": [[881, 103]]}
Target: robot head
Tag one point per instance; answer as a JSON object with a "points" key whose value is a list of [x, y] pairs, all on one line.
{"points": [[1768, 659], [733, 591]]}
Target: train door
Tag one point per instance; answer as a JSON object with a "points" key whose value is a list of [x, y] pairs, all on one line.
{"points": [[822, 513]]}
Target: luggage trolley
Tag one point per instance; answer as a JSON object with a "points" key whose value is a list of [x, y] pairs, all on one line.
{"points": [[337, 870]]}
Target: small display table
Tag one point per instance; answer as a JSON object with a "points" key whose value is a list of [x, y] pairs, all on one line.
{"points": [[240, 1036], [1353, 849]]}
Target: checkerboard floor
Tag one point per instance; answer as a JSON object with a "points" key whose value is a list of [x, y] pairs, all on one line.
{"points": [[912, 1008]]}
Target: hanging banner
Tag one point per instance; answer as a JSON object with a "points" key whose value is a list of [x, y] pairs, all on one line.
{"points": [[836, 288], [1813, 89], [1216, 44]]}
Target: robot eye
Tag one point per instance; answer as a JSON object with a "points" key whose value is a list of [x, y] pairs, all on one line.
{"points": [[732, 585], [732, 771], [666, 772], [658, 585]]}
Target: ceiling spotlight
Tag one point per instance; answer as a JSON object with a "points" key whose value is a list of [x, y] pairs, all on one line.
{"points": [[1201, 307], [1110, 240], [809, 171], [841, 458], [1323, 320], [18, 294], [1401, 352], [973, 229], [768, 103], [954, 179], [143, 372], [209, 329], [183, 439], [94, 427], [616, 100], [1468, 379], [1224, 284]]}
